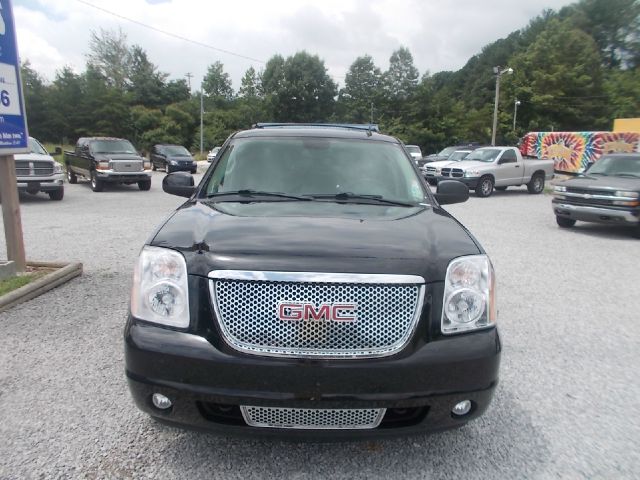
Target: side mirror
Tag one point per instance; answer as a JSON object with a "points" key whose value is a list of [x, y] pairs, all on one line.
{"points": [[451, 191], [179, 183], [58, 151]]}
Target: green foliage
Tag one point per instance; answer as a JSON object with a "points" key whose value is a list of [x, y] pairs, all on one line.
{"points": [[217, 83]]}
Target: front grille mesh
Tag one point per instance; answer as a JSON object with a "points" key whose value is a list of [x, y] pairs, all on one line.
{"points": [[126, 165], [452, 172], [247, 313], [312, 419], [38, 168]]}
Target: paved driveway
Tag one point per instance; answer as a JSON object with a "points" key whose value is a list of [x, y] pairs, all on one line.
{"points": [[567, 405]]}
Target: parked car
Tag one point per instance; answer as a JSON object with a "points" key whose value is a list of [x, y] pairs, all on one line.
{"points": [[432, 171], [415, 152], [172, 158], [500, 167], [37, 171], [312, 286], [105, 160], [608, 192], [212, 154]]}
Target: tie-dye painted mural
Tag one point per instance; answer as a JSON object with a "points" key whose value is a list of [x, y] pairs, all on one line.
{"points": [[573, 151]]}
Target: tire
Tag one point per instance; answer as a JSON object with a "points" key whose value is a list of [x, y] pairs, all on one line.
{"points": [[144, 185], [96, 184], [71, 177], [153, 166], [193, 172], [56, 194], [484, 188], [536, 185], [501, 189], [432, 182], [564, 222]]}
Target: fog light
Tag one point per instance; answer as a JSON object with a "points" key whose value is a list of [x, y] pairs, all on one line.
{"points": [[160, 401], [461, 408]]}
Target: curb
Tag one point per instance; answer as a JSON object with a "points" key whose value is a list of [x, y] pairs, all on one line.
{"points": [[65, 272]]}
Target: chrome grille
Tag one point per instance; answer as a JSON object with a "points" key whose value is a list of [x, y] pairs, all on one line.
{"points": [[452, 172], [25, 168], [126, 165], [387, 311], [311, 418]]}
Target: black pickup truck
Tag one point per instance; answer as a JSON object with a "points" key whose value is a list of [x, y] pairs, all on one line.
{"points": [[105, 160], [313, 286]]}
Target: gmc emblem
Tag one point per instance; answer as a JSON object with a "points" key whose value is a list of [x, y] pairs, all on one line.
{"points": [[308, 312]]}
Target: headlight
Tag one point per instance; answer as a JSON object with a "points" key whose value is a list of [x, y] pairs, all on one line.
{"points": [[57, 168], [160, 289], [622, 193], [469, 295], [471, 173], [559, 188]]}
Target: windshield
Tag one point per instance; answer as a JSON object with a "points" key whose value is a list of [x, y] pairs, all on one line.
{"points": [[35, 147], [459, 155], [176, 150], [616, 165], [447, 151], [412, 148], [112, 146], [316, 166], [484, 155]]}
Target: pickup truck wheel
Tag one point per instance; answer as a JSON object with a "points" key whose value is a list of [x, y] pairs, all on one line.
{"points": [[71, 177], [501, 189], [564, 222], [144, 185], [153, 166], [484, 187], [96, 183], [56, 194], [536, 185]]}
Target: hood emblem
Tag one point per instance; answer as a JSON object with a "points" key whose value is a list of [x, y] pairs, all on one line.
{"points": [[310, 312]]}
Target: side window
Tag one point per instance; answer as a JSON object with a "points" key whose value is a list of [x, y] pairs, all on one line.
{"points": [[509, 156]]}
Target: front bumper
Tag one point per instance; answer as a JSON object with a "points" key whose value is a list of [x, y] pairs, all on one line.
{"points": [[596, 214], [122, 177], [48, 183], [202, 379], [471, 182]]}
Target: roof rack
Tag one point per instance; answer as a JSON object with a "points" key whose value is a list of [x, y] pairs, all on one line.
{"points": [[367, 127]]}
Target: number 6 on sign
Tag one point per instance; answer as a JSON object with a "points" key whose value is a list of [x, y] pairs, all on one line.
{"points": [[4, 98]]}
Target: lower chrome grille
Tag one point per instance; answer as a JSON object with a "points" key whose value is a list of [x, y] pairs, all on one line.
{"points": [[375, 314], [312, 419], [126, 165]]}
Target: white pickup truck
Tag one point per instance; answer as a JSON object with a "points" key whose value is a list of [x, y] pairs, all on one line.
{"points": [[487, 168]]}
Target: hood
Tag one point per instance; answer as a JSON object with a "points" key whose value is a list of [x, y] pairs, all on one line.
{"points": [[33, 157], [465, 164], [441, 163], [315, 237], [599, 182]]}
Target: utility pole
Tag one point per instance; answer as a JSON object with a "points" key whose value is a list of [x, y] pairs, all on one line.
{"points": [[371, 122], [201, 121], [515, 112], [189, 75], [499, 73]]}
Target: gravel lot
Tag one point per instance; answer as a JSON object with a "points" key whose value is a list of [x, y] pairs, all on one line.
{"points": [[567, 405]]}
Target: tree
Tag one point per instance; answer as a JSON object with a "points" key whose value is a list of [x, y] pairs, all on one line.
{"points": [[249, 85], [65, 114], [109, 54], [363, 88], [299, 89], [35, 100], [146, 83], [401, 79], [217, 83]]}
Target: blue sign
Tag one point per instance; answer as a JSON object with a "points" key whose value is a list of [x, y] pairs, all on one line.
{"points": [[13, 120]]}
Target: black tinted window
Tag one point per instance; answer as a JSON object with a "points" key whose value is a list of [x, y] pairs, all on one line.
{"points": [[509, 156]]}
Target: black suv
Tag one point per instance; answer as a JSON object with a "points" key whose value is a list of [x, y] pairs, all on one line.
{"points": [[312, 286], [172, 158]]}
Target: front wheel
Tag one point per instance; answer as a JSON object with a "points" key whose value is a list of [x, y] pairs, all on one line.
{"points": [[144, 185], [536, 185], [484, 187], [564, 222], [71, 177], [96, 184], [56, 194]]}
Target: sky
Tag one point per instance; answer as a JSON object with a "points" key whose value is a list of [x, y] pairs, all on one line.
{"points": [[441, 34]]}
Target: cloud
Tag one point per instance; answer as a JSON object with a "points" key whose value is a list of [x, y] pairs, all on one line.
{"points": [[441, 34]]}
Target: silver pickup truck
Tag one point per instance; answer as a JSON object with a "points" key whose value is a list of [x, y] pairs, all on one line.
{"points": [[487, 168], [37, 171]]}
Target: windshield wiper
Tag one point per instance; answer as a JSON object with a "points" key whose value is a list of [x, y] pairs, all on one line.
{"points": [[345, 196], [258, 193]]}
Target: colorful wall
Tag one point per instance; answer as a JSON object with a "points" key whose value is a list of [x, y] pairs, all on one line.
{"points": [[573, 151]]}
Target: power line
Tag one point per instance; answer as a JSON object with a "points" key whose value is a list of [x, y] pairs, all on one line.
{"points": [[171, 34]]}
